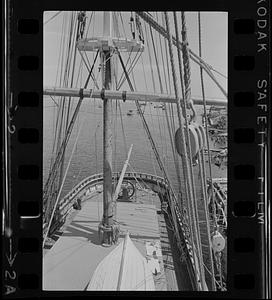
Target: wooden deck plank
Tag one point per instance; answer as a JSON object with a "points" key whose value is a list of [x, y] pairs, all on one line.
{"points": [[72, 260]]}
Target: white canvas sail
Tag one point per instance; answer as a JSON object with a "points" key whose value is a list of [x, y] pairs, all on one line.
{"points": [[123, 269]]}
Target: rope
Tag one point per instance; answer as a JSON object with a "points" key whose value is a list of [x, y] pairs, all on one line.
{"points": [[152, 74], [80, 170], [55, 121], [50, 19], [206, 221], [133, 170], [226, 77], [187, 173], [85, 86], [183, 107], [74, 33], [121, 77], [216, 281], [62, 119], [147, 129], [187, 81], [202, 157], [52, 173], [115, 139], [161, 88], [88, 69], [133, 64], [207, 69], [193, 56], [186, 64], [54, 100], [183, 145], [63, 180], [206, 127], [172, 115], [187, 88], [150, 60], [86, 83], [60, 128], [123, 129], [169, 130]]}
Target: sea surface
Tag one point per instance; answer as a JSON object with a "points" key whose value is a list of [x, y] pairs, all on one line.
{"points": [[87, 157]]}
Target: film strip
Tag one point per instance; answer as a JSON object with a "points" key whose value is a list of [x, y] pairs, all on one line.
{"points": [[249, 119]]}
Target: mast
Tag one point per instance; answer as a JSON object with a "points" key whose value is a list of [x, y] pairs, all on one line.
{"points": [[106, 62], [106, 45]]}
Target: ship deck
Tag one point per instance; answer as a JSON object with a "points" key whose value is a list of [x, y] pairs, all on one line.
{"points": [[73, 258]]}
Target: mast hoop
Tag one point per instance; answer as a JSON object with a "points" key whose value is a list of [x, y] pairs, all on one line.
{"points": [[102, 94], [81, 95], [124, 96]]}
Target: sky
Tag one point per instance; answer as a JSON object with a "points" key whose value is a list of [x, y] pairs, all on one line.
{"points": [[214, 48]]}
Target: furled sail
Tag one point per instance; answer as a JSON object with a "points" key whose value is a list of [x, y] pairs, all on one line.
{"points": [[122, 269]]}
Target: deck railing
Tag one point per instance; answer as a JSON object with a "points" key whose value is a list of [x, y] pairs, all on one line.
{"points": [[97, 178], [91, 182]]}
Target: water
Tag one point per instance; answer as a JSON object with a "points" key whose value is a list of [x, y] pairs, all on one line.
{"points": [[87, 158]]}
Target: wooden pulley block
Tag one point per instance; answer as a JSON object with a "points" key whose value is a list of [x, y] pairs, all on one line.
{"points": [[194, 141], [201, 135], [218, 242]]}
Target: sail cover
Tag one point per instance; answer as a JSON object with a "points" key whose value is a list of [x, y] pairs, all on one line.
{"points": [[123, 269]]}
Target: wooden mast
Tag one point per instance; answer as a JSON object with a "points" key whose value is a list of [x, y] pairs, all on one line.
{"points": [[106, 46], [108, 211]]}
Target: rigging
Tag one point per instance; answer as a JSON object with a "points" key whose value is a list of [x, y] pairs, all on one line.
{"points": [[193, 56], [58, 159]]}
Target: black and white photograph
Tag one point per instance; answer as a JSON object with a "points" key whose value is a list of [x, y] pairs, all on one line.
{"points": [[135, 148]]}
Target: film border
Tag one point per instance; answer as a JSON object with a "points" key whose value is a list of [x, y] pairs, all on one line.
{"points": [[23, 263]]}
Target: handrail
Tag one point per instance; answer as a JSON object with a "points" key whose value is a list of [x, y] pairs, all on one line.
{"points": [[65, 203], [97, 177]]}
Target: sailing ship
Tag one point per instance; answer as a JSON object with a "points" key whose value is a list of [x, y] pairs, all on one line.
{"points": [[158, 231]]}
